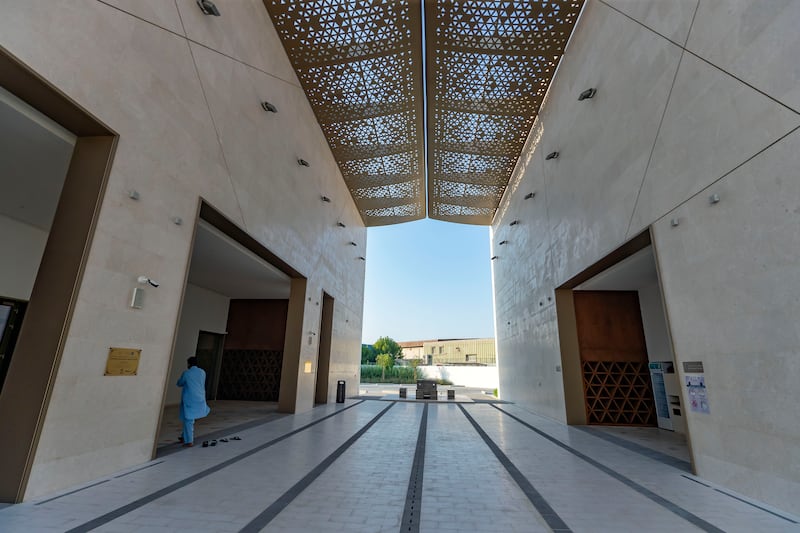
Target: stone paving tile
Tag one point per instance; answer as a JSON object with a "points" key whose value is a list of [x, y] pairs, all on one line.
{"points": [[465, 487]]}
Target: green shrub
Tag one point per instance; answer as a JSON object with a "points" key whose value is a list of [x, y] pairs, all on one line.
{"points": [[395, 374]]}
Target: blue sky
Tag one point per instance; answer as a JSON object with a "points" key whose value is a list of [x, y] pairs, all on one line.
{"points": [[426, 280]]}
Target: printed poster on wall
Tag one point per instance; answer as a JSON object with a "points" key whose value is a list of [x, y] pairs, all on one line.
{"points": [[698, 394]]}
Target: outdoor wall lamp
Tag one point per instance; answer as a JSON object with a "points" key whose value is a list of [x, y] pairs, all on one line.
{"points": [[341, 224], [514, 223], [713, 199], [501, 243], [352, 243], [144, 280], [208, 7], [588, 93], [269, 107], [303, 163], [325, 199], [362, 258], [530, 195], [552, 155], [133, 194], [675, 222], [493, 258]]}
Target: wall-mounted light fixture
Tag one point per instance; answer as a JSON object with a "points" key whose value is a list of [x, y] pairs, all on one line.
{"points": [[144, 280], [208, 7], [341, 224], [530, 195], [675, 222], [501, 243], [325, 199], [177, 221], [303, 163], [493, 258], [713, 199], [352, 243], [514, 223], [133, 195], [269, 107], [552, 155], [588, 93], [362, 258]]}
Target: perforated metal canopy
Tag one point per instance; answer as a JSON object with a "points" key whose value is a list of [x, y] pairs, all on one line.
{"points": [[489, 64]]}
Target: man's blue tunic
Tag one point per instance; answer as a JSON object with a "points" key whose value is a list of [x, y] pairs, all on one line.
{"points": [[193, 394]]}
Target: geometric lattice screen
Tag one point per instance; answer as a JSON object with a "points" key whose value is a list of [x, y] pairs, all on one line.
{"points": [[618, 393], [360, 64], [489, 64], [253, 375]]}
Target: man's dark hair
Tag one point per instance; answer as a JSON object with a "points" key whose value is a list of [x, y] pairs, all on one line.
{"points": [[192, 361]]}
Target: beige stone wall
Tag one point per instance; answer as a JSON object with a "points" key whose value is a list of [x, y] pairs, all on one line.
{"points": [[183, 92], [694, 98]]}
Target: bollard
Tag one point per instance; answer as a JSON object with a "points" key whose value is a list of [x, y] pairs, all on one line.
{"points": [[403, 392]]}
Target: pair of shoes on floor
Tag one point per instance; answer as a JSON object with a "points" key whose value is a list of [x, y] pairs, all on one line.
{"points": [[180, 439], [223, 440], [187, 444], [236, 438], [206, 443]]}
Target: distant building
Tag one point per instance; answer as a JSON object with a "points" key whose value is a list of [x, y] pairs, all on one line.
{"points": [[451, 351]]}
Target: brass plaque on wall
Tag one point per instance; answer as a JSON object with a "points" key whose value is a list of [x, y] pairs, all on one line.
{"points": [[122, 361]]}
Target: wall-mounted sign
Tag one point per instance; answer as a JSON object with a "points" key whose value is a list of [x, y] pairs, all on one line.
{"points": [[693, 367], [122, 361], [698, 394]]}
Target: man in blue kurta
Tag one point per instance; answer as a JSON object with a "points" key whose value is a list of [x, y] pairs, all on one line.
{"points": [[193, 398]]}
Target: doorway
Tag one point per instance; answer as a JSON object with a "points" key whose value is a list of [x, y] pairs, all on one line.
{"points": [[209, 358], [12, 313], [322, 385]]}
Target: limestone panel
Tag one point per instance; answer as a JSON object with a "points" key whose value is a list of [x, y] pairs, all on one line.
{"points": [[730, 277], [755, 40], [243, 31], [162, 13], [672, 18], [713, 123], [603, 143]]}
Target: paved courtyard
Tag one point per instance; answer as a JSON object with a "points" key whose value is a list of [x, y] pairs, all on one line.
{"points": [[379, 465]]}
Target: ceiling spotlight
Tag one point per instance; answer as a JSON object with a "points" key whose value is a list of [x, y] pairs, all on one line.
{"points": [[303, 162], [514, 222], [352, 243], [493, 258], [269, 107], [552, 155], [208, 7], [588, 93], [501, 243], [530, 195], [325, 199], [341, 224]]}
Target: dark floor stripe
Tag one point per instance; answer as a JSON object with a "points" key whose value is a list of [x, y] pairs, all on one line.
{"points": [[696, 481], [138, 470], [261, 521], [754, 505], [72, 492], [661, 457], [668, 505], [413, 508], [125, 509], [548, 513]]}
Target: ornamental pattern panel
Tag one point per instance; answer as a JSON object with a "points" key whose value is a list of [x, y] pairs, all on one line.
{"points": [[489, 64], [618, 393], [253, 375], [360, 64]]}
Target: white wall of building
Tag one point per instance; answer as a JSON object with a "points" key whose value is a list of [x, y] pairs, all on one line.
{"points": [[24, 245], [203, 310], [183, 92], [693, 99], [485, 377]]}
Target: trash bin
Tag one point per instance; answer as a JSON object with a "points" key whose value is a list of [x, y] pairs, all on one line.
{"points": [[340, 391]]}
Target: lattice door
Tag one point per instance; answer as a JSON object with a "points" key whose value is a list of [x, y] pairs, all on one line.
{"points": [[618, 393], [250, 375]]}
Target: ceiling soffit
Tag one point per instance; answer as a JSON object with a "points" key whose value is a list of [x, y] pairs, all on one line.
{"points": [[360, 64], [489, 64]]}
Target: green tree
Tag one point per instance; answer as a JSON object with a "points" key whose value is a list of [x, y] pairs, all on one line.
{"points": [[414, 364], [368, 354], [387, 345], [385, 361]]}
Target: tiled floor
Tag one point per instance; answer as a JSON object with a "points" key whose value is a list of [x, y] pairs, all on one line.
{"points": [[477, 467]]}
